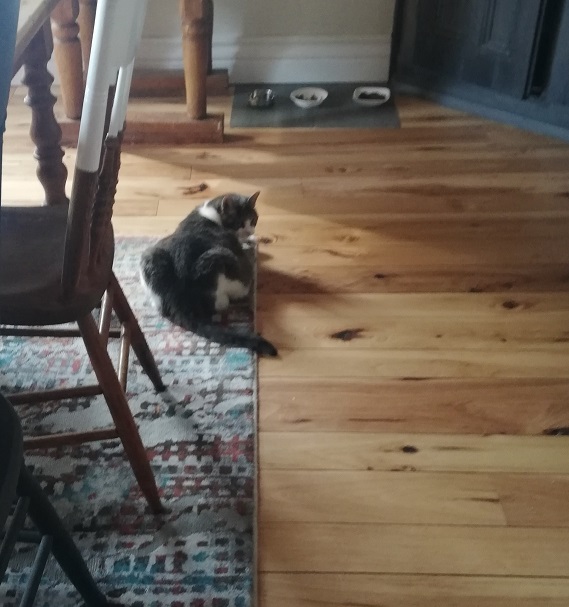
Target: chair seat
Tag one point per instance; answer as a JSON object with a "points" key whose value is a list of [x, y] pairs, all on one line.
{"points": [[31, 262]]}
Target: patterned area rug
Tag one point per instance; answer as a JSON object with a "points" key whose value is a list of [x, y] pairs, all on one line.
{"points": [[200, 437]]}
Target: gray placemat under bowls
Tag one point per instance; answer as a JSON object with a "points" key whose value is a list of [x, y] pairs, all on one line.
{"points": [[337, 111]]}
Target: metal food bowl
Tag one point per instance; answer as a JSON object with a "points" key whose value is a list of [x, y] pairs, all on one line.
{"points": [[261, 98]]}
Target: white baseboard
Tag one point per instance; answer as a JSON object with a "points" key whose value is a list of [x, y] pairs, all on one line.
{"points": [[283, 59], [277, 59]]}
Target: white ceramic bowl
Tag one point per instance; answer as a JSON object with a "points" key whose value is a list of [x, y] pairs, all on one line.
{"points": [[371, 96], [308, 96]]}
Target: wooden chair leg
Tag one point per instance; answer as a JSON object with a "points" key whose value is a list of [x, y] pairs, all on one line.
{"points": [[105, 317], [120, 411], [63, 547], [137, 339]]}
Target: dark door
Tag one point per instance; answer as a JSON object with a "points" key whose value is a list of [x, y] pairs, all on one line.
{"points": [[488, 43], [556, 71]]}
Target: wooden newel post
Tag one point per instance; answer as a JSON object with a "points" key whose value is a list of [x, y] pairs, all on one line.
{"points": [[67, 51], [196, 16]]}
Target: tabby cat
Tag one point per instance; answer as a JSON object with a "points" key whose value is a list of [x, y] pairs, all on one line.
{"points": [[195, 272]]}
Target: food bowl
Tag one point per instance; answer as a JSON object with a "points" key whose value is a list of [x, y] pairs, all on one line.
{"points": [[371, 96], [308, 96], [261, 98]]}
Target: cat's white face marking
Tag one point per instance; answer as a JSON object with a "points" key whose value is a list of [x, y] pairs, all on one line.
{"points": [[209, 213], [246, 234]]}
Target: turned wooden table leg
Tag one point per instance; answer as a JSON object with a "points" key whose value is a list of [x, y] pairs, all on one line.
{"points": [[195, 44], [44, 131], [87, 9], [67, 52]]}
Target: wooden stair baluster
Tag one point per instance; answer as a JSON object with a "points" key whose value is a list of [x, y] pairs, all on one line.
{"points": [[86, 19], [67, 52], [195, 43], [44, 130], [209, 18]]}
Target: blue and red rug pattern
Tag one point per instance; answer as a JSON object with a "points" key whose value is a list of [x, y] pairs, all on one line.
{"points": [[200, 438]]}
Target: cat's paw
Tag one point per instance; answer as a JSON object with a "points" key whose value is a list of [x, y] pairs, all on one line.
{"points": [[247, 240], [249, 243]]}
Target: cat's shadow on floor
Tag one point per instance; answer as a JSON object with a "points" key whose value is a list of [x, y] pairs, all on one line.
{"points": [[271, 281], [276, 291]]}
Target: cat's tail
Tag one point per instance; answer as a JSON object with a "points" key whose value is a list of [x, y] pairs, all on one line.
{"points": [[226, 336], [158, 273]]}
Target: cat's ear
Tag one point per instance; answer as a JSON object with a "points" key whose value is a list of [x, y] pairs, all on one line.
{"points": [[225, 204], [253, 199]]}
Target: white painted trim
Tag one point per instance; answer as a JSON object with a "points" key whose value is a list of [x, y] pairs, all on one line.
{"points": [[283, 58]]}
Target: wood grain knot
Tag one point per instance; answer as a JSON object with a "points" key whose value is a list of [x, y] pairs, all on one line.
{"points": [[347, 334], [195, 189], [409, 449], [559, 431], [510, 304]]}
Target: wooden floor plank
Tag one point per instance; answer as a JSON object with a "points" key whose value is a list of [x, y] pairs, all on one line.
{"points": [[534, 500], [417, 364], [425, 498], [403, 165], [394, 277], [317, 328], [480, 406], [373, 548], [414, 452], [425, 254], [348, 590], [440, 184], [417, 321], [496, 306], [373, 230], [379, 497]]}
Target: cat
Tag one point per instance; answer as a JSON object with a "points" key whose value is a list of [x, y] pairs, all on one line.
{"points": [[194, 273]]}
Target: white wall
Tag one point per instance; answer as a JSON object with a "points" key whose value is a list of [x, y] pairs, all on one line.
{"points": [[282, 40]]}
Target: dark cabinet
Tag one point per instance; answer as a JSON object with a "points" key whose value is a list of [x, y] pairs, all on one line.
{"points": [[512, 55]]}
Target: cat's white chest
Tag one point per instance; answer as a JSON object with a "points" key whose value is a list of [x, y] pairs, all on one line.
{"points": [[228, 290]]}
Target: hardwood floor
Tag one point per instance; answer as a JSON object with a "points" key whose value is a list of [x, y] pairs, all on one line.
{"points": [[416, 282]]}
